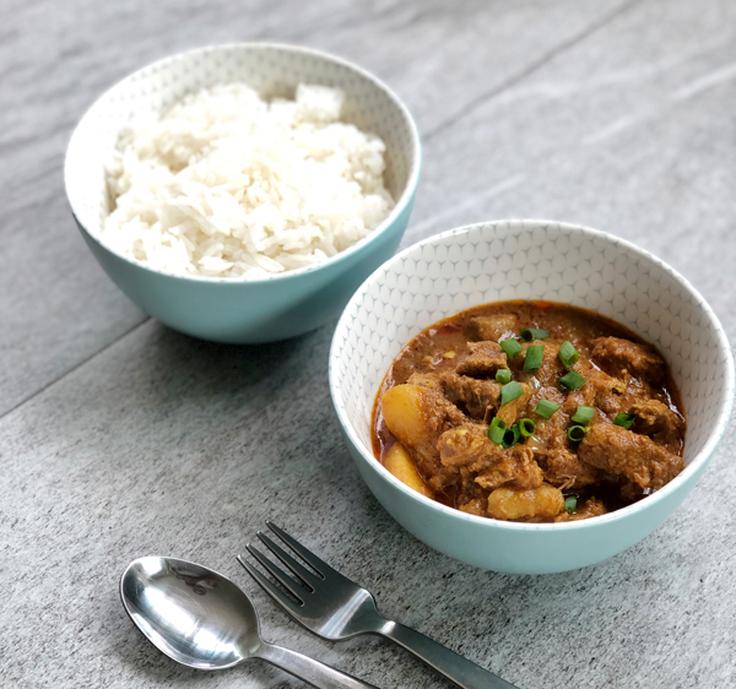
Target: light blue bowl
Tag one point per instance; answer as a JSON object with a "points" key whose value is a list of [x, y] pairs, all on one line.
{"points": [[227, 309], [529, 259]]}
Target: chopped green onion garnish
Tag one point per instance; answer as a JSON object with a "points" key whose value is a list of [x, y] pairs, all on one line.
{"points": [[576, 433], [527, 427], [624, 419], [583, 415], [510, 346], [503, 375], [533, 357], [571, 504], [572, 380], [545, 408], [496, 430], [530, 334], [511, 391], [511, 436], [568, 355]]}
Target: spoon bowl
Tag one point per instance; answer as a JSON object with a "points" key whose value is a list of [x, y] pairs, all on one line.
{"points": [[193, 615]]}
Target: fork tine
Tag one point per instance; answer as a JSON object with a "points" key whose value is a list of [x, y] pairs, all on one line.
{"points": [[319, 566], [279, 596], [293, 586], [294, 565]]}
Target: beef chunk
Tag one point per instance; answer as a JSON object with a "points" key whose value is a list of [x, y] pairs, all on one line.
{"points": [[617, 356], [564, 469], [623, 453], [466, 450], [609, 393], [592, 507], [629, 492], [474, 506], [491, 327], [659, 422], [561, 467], [525, 472], [425, 380], [477, 398], [484, 359]]}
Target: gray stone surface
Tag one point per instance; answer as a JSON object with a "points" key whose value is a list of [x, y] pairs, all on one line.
{"points": [[121, 438]]}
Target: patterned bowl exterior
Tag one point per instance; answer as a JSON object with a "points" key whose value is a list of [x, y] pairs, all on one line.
{"points": [[227, 309], [529, 259]]}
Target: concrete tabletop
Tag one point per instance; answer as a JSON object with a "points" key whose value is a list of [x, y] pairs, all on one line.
{"points": [[119, 437]]}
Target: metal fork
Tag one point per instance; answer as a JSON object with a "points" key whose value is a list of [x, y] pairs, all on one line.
{"points": [[334, 607]]}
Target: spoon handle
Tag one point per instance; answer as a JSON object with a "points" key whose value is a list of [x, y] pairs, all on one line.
{"points": [[308, 669]]}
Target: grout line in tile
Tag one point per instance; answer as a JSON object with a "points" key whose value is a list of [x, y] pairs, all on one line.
{"points": [[73, 368], [530, 69]]}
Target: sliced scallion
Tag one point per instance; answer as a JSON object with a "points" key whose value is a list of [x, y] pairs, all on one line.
{"points": [[568, 355], [583, 415], [496, 430], [511, 391], [527, 427], [545, 408], [533, 358], [511, 347], [530, 334], [503, 376], [576, 433], [624, 419], [511, 436], [572, 380], [571, 504]]}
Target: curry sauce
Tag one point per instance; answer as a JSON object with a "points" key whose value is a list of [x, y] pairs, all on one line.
{"points": [[530, 411]]}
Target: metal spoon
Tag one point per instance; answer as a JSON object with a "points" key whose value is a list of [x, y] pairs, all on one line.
{"points": [[201, 619]]}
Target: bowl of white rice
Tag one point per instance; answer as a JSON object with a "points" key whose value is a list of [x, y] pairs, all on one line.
{"points": [[241, 193]]}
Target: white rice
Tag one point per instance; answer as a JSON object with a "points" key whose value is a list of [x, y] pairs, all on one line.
{"points": [[226, 184]]}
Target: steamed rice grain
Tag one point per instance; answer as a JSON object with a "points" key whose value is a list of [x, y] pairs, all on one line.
{"points": [[227, 184]]}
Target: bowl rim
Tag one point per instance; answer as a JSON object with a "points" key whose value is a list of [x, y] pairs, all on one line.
{"points": [[402, 203], [690, 470]]}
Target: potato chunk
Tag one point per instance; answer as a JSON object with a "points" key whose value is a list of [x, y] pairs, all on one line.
{"points": [[403, 409], [398, 461], [542, 503], [417, 416]]}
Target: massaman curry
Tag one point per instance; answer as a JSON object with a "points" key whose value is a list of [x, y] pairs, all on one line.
{"points": [[530, 411]]}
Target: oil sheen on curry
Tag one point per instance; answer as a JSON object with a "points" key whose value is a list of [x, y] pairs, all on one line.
{"points": [[530, 411]]}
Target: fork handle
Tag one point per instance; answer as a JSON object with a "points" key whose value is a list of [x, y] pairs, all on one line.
{"points": [[460, 670], [308, 669]]}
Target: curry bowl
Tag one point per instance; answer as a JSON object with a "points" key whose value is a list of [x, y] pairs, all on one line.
{"points": [[529, 259], [233, 309]]}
